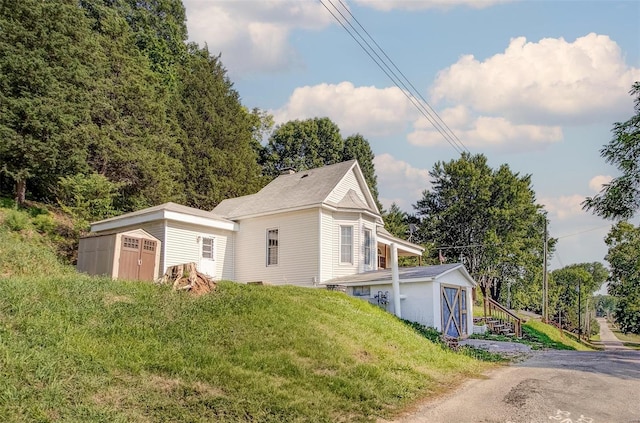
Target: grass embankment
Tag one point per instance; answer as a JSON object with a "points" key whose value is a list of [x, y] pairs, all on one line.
{"points": [[541, 335], [79, 349], [550, 336]]}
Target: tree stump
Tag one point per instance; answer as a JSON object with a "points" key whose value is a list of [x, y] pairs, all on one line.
{"points": [[185, 277]]}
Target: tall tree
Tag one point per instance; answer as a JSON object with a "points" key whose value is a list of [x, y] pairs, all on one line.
{"points": [[395, 221], [621, 197], [217, 134], [486, 218], [130, 139], [572, 286], [47, 54], [303, 145], [357, 147], [316, 142], [624, 283]]}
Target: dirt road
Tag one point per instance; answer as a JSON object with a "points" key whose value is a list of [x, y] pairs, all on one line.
{"points": [[563, 386]]}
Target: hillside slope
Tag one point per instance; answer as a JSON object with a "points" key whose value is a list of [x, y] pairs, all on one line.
{"points": [[75, 348]]}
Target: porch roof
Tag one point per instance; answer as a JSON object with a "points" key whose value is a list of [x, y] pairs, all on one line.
{"points": [[405, 248], [406, 274]]}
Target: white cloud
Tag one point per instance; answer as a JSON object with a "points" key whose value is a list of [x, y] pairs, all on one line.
{"points": [[252, 35], [549, 82], [598, 181], [564, 207], [399, 182], [370, 111], [387, 5], [485, 132]]}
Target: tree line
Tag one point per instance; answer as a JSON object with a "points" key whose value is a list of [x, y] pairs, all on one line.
{"points": [[105, 108]]}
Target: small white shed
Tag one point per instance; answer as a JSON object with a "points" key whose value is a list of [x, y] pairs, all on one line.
{"points": [[435, 296], [133, 255]]}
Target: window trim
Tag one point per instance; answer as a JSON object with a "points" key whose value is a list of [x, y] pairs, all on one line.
{"points": [[213, 247], [367, 246], [343, 244], [271, 248]]}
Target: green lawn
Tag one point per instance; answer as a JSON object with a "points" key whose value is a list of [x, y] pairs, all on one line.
{"points": [[79, 349]]}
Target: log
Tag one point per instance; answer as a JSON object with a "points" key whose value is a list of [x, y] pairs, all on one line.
{"points": [[185, 277]]}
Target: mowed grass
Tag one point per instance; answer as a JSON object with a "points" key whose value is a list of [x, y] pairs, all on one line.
{"points": [[548, 336], [78, 349]]}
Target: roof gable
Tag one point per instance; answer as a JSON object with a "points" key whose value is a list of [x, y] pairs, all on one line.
{"points": [[304, 189]]}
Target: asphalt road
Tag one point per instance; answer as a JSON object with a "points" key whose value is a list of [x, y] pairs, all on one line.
{"points": [[560, 386]]}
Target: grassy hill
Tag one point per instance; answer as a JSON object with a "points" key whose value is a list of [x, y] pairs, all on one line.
{"points": [[78, 349]]}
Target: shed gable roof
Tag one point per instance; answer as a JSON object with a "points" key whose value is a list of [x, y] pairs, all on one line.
{"points": [[405, 274], [300, 190]]}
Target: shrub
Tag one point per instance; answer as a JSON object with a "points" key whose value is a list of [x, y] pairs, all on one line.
{"points": [[44, 223], [16, 220]]}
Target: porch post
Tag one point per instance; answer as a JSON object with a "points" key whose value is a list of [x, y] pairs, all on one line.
{"points": [[395, 280]]}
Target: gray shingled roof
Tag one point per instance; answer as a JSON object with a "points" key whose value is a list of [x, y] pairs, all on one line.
{"points": [[173, 207], [405, 273], [293, 191]]}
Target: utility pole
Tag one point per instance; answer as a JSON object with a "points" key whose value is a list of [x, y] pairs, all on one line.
{"points": [[579, 313], [545, 293]]}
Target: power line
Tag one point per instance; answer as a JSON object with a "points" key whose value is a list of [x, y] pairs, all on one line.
{"points": [[441, 123], [585, 231], [382, 63]]}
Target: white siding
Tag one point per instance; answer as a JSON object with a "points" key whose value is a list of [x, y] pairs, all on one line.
{"points": [[327, 248], [349, 181], [346, 219], [420, 301], [298, 249], [184, 244]]}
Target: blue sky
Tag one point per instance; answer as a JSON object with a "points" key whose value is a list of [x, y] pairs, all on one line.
{"points": [[533, 84]]}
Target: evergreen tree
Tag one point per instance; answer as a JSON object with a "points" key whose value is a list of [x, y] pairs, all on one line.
{"points": [[216, 133], [395, 221], [130, 139], [47, 53]]}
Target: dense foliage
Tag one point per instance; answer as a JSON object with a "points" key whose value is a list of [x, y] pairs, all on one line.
{"points": [[311, 143], [624, 283], [486, 218], [621, 197], [107, 94], [571, 292]]}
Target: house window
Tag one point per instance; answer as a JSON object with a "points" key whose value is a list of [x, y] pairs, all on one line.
{"points": [[361, 291], [272, 247], [208, 245], [367, 247], [346, 244]]}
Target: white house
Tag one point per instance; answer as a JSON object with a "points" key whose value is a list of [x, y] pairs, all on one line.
{"points": [[308, 228], [303, 229]]}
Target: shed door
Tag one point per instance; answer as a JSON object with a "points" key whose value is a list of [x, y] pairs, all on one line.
{"points": [[148, 260], [137, 259], [454, 311], [129, 258]]}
